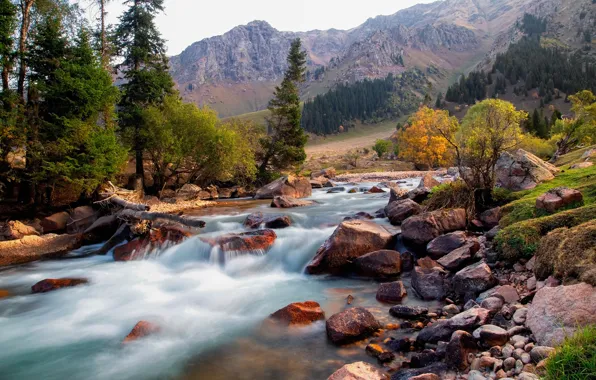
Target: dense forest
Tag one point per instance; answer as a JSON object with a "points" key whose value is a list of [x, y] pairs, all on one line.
{"points": [[368, 100]]}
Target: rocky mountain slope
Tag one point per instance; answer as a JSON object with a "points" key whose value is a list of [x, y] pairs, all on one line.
{"points": [[236, 72]]}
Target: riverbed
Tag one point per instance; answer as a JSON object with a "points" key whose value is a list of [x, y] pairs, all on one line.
{"points": [[211, 315]]}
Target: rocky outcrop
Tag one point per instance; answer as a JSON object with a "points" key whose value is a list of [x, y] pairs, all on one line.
{"points": [[558, 198], [288, 202], [522, 170], [421, 229], [358, 371], [141, 330], [401, 210], [299, 313], [555, 313], [33, 248], [350, 240], [379, 264], [245, 242], [351, 325], [290, 186], [189, 192], [52, 284]]}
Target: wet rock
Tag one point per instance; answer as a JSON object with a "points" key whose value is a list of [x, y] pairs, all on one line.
{"points": [[254, 220], [15, 230], [408, 312], [442, 329], [459, 257], [379, 264], [336, 190], [376, 190], [445, 244], [460, 346], [407, 262], [490, 218], [539, 353], [400, 345], [473, 279], [399, 211], [289, 186], [351, 325], [140, 330], [421, 229], [358, 371], [52, 284], [261, 240], [424, 359], [522, 171], [278, 222], [101, 230], [556, 313], [288, 202], [360, 216], [32, 248], [55, 223], [428, 181], [352, 239], [491, 335], [4, 293], [430, 282], [558, 198], [299, 313], [391, 292], [161, 237], [451, 310]]}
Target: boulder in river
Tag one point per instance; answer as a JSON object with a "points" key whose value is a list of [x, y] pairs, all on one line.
{"points": [[401, 210], [419, 194], [391, 292], [289, 186], [260, 240], [141, 330], [287, 202], [379, 264], [254, 220], [349, 241], [522, 170], [278, 222], [445, 244], [351, 325], [299, 313], [421, 229], [158, 238], [428, 181], [358, 371], [101, 230], [51, 284], [55, 223]]}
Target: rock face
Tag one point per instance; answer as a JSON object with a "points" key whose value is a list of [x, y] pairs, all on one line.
{"points": [[557, 312], [391, 292], [399, 211], [287, 202], [445, 244], [473, 280], [350, 240], [299, 313], [558, 198], [358, 371], [421, 229], [141, 330], [351, 325], [55, 223], [522, 170], [245, 242], [32, 248], [379, 264], [15, 230], [290, 186], [52, 284]]}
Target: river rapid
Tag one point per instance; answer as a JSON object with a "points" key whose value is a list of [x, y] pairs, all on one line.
{"points": [[211, 316]]}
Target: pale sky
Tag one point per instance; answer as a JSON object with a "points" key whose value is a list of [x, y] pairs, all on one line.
{"points": [[188, 21]]}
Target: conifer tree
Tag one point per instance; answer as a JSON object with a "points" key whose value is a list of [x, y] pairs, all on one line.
{"points": [[8, 21], [145, 68], [284, 147]]}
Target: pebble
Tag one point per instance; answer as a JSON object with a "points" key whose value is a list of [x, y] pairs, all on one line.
{"points": [[529, 347], [476, 375], [519, 317], [517, 353], [531, 283], [507, 350], [508, 364], [519, 367], [451, 310], [525, 358], [496, 351]]}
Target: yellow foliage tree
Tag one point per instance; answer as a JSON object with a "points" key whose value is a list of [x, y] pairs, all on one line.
{"points": [[426, 139]]}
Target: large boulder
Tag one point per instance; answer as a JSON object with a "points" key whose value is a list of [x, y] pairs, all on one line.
{"points": [[522, 170], [52, 284], [391, 292], [299, 313], [260, 240], [429, 281], [351, 239], [289, 186], [188, 192], [55, 223], [379, 264], [351, 325], [33, 248], [556, 312], [558, 198], [358, 371], [397, 193], [80, 219], [288, 202], [428, 181], [445, 244], [474, 279], [255, 220], [421, 229], [442, 329], [159, 238], [15, 230], [491, 335], [401, 210], [460, 346]]}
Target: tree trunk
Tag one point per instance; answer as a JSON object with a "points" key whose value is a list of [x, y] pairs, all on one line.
{"points": [[105, 58], [25, 23]]}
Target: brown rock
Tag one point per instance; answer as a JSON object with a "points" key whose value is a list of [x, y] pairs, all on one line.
{"points": [[141, 330], [445, 244], [351, 325], [33, 248], [401, 210], [428, 181], [582, 165], [80, 219], [426, 376], [299, 313], [287, 202], [396, 194], [278, 222], [460, 256], [429, 280], [15, 230], [358, 371], [490, 218], [391, 292], [522, 171], [491, 335], [52, 284], [473, 280], [101, 230], [289, 186], [55, 223], [379, 264], [254, 220], [187, 192], [4, 293], [328, 173], [245, 242], [556, 312], [159, 238], [421, 229], [350, 240], [376, 190], [558, 198], [442, 329], [460, 346]]}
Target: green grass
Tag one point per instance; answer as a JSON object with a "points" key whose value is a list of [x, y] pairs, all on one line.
{"points": [[573, 157], [360, 130], [575, 359]]}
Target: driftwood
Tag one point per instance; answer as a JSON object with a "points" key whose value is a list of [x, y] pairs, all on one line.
{"points": [[188, 221], [126, 204], [123, 233]]}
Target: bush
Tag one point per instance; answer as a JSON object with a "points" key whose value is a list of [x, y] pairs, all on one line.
{"points": [[451, 195], [537, 146], [575, 359], [382, 147], [521, 240]]}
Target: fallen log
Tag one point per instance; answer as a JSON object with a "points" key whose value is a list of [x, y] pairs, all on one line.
{"points": [[125, 204], [188, 221]]}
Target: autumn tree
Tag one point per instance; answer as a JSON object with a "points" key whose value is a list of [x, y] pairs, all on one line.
{"points": [[425, 140]]}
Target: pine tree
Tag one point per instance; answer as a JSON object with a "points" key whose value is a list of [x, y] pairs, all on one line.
{"points": [[8, 20], [145, 68], [284, 148], [439, 102]]}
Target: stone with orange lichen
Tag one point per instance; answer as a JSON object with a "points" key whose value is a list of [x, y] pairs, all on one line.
{"points": [[299, 313], [141, 330], [51, 284], [245, 242]]}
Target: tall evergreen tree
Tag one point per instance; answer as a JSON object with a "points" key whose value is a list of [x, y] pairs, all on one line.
{"points": [[8, 12], [284, 147], [439, 102], [145, 68]]}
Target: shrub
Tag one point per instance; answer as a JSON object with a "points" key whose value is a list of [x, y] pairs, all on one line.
{"points": [[451, 195], [382, 147], [537, 146], [575, 359]]}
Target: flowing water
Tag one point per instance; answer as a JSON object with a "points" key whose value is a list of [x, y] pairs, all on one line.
{"points": [[210, 315]]}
